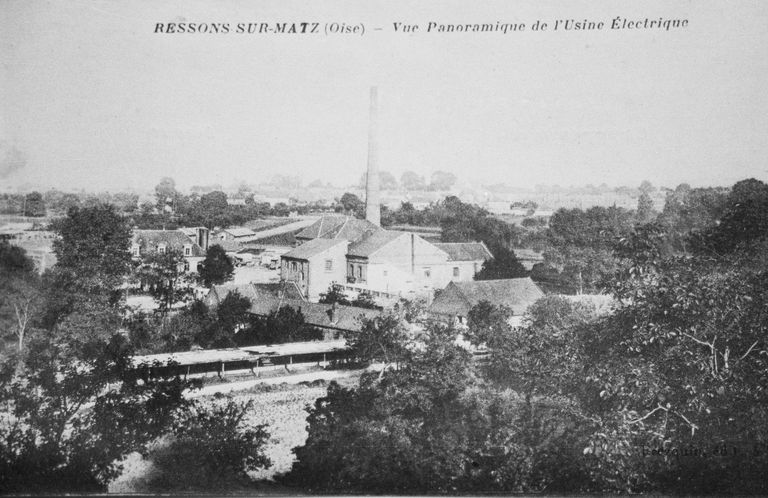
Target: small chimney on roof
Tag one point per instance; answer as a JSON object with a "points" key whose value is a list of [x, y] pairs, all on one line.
{"points": [[372, 208]]}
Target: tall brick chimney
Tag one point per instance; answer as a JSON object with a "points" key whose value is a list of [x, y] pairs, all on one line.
{"points": [[372, 209]]}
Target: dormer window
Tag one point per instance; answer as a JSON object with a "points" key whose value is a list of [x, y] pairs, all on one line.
{"points": [[187, 249], [161, 248], [136, 250]]}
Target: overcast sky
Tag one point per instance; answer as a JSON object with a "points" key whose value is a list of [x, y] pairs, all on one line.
{"points": [[90, 97]]}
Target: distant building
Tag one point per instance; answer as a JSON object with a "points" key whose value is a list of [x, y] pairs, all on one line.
{"points": [[453, 303], [192, 243], [238, 234]]}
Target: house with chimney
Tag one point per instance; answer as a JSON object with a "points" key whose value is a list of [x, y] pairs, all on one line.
{"points": [[191, 243], [386, 264], [361, 256]]}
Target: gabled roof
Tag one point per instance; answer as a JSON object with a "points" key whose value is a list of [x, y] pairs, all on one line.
{"points": [[256, 293], [222, 291], [239, 232], [312, 248], [317, 314], [372, 243], [514, 293], [338, 227], [148, 240], [227, 244], [465, 251]]}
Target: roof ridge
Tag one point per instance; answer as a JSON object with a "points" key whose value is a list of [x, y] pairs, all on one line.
{"points": [[346, 220]]}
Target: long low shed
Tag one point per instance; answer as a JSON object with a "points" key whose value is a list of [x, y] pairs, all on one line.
{"points": [[249, 357]]}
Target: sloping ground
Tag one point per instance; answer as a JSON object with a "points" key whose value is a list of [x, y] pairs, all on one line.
{"points": [[283, 407]]}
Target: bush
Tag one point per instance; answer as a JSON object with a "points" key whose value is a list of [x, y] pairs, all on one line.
{"points": [[210, 449]]}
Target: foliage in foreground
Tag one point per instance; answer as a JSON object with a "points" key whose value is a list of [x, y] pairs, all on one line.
{"points": [[71, 405], [73, 410], [209, 449], [663, 393]]}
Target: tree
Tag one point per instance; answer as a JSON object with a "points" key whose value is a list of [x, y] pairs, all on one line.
{"points": [[412, 181], [19, 292], [34, 204], [232, 312], [163, 275], [380, 339], [75, 417], [217, 267], [442, 180], [230, 317], [92, 261], [214, 203], [581, 245], [93, 246], [285, 324], [743, 220], [687, 212], [364, 300], [210, 449], [335, 294], [351, 204], [647, 187], [166, 194], [645, 211], [504, 264], [487, 324], [404, 432]]}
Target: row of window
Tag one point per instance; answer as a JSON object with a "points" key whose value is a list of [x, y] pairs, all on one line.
{"points": [[161, 249], [356, 271]]}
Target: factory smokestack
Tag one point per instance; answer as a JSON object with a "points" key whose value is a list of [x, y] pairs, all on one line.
{"points": [[372, 209]]}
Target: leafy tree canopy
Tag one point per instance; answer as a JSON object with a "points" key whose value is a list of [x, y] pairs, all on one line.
{"points": [[217, 267]]}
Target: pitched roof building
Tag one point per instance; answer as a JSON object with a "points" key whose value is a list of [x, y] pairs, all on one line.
{"points": [[465, 251], [192, 243], [254, 292], [268, 298], [384, 263], [455, 301], [331, 226]]}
